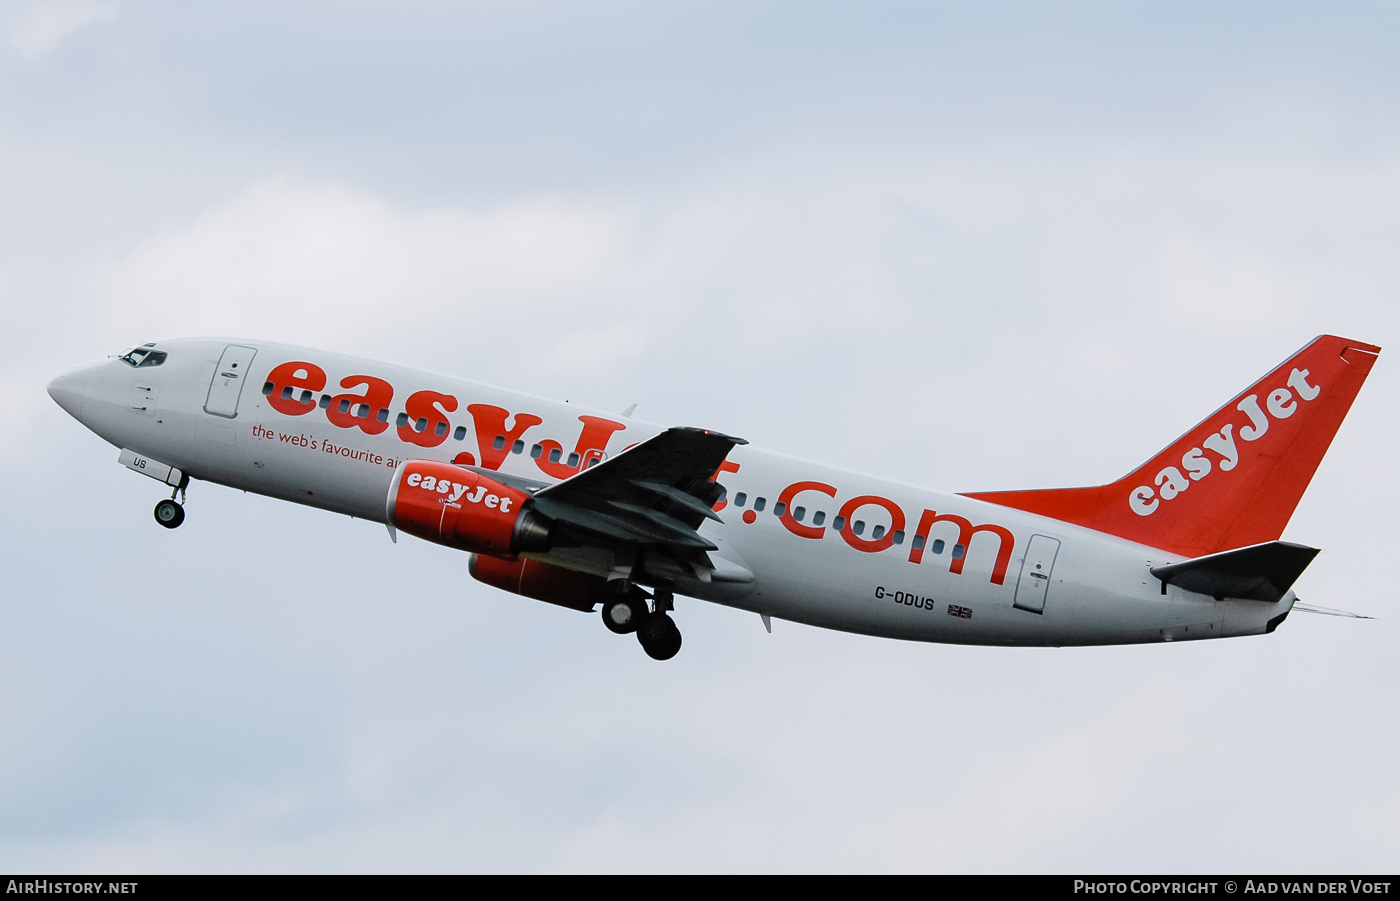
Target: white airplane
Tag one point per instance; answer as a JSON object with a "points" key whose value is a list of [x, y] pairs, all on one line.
{"points": [[581, 508]]}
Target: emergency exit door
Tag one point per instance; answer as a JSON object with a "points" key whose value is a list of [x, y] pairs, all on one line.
{"points": [[1035, 573], [227, 384]]}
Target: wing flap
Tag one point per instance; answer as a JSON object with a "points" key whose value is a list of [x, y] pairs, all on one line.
{"points": [[656, 493], [688, 501]]}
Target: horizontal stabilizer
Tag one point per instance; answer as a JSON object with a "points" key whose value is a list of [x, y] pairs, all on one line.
{"points": [[1260, 572]]}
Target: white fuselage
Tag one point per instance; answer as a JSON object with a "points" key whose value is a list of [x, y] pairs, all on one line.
{"points": [[969, 587]]}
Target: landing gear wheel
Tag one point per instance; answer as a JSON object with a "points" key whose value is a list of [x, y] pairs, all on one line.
{"points": [[659, 636], [623, 615], [169, 514]]}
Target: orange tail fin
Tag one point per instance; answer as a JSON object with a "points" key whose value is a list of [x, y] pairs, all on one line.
{"points": [[1235, 479]]}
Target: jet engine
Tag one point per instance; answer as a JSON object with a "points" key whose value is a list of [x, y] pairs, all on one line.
{"points": [[543, 582], [450, 505]]}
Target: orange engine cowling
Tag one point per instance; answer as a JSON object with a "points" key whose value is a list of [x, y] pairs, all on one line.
{"points": [[543, 582], [450, 505]]}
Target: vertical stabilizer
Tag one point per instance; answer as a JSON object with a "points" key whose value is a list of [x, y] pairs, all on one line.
{"points": [[1233, 480]]}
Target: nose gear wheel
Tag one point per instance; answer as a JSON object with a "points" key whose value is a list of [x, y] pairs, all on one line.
{"points": [[169, 514]]}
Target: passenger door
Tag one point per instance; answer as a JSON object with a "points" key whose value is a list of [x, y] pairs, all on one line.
{"points": [[227, 384], [1035, 573]]}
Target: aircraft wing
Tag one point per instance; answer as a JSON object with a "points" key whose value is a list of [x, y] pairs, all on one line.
{"points": [[655, 494]]}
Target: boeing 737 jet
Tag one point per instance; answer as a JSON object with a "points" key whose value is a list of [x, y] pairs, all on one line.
{"points": [[588, 510]]}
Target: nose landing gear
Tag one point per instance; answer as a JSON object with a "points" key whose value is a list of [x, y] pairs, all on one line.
{"points": [[656, 632], [168, 512]]}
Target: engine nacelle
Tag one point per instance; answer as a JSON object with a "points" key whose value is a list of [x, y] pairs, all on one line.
{"points": [[450, 505], [543, 582]]}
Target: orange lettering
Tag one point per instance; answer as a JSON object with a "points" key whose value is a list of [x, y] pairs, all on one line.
{"points": [[726, 466], [424, 405], [965, 532], [879, 544], [592, 441], [490, 423], [288, 382], [798, 528], [378, 394]]}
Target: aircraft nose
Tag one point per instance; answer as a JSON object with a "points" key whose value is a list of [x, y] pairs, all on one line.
{"points": [[68, 390]]}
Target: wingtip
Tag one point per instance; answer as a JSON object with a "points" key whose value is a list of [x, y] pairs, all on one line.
{"points": [[712, 433]]}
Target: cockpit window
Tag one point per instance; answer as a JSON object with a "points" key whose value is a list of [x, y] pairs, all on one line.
{"points": [[143, 356]]}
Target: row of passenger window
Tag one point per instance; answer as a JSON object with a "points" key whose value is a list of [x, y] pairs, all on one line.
{"points": [[362, 411], [838, 523]]}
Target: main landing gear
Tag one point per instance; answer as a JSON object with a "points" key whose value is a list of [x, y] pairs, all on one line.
{"points": [[656, 632], [659, 636], [169, 513], [624, 614]]}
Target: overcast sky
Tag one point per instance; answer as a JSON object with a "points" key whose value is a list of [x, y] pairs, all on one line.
{"points": [[970, 246]]}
